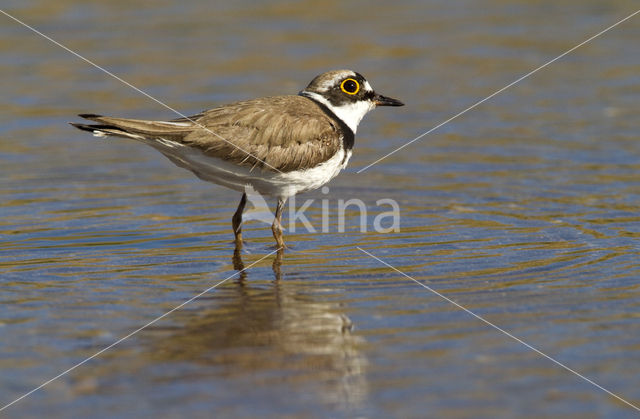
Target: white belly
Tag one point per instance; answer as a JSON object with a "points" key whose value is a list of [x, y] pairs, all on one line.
{"points": [[281, 185]]}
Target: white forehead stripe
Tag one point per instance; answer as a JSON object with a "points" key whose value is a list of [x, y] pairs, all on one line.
{"points": [[329, 83]]}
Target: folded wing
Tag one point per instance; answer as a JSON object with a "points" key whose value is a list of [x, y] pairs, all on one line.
{"points": [[284, 133]]}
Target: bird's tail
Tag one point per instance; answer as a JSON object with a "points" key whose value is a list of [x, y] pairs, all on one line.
{"points": [[135, 128]]}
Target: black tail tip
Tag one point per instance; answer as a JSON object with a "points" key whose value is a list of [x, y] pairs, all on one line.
{"points": [[89, 115], [83, 127]]}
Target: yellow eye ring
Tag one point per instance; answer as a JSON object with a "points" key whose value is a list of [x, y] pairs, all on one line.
{"points": [[350, 86]]}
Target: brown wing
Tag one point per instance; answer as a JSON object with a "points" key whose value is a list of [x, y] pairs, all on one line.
{"points": [[285, 132]]}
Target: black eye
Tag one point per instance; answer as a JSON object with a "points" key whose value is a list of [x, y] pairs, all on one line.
{"points": [[350, 86]]}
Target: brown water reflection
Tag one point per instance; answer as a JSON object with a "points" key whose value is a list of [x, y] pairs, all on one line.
{"points": [[256, 331], [271, 333]]}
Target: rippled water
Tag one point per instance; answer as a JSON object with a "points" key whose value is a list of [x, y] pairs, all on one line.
{"points": [[524, 211]]}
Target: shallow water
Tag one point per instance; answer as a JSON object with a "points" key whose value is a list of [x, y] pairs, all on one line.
{"points": [[524, 211]]}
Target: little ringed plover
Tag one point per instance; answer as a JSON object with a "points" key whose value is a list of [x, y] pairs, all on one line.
{"points": [[279, 146]]}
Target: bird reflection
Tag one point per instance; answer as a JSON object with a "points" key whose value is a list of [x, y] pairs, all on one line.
{"points": [[279, 328], [238, 264]]}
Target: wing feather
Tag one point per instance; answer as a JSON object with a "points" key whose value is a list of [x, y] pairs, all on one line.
{"points": [[285, 132], [294, 134]]}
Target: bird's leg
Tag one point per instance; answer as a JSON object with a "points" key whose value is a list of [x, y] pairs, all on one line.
{"points": [[236, 221], [277, 226]]}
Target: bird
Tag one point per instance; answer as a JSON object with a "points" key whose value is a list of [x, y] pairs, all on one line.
{"points": [[278, 146]]}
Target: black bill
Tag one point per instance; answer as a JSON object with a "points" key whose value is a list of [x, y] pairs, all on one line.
{"points": [[380, 100]]}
